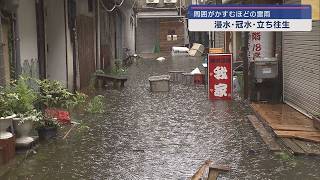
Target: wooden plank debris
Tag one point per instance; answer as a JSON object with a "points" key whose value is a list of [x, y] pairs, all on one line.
{"points": [[215, 170], [286, 127], [198, 175], [265, 135], [309, 147], [292, 146], [308, 136]]}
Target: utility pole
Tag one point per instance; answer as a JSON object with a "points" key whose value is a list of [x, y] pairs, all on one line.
{"points": [[245, 60]]}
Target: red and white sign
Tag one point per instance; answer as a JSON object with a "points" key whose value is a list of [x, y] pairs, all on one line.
{"points": [[260, 45], [220, 76]]}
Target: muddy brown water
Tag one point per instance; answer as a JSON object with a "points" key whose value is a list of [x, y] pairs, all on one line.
{"points": [[144, 135]]}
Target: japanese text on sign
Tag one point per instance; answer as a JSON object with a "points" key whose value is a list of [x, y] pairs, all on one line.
{"points": [[250, 18], [219, 73]]}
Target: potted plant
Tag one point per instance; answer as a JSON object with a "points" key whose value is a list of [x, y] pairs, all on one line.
{"points": [[5, 116], [47, 128], [21, 99], [316, 121], [56, 101]]}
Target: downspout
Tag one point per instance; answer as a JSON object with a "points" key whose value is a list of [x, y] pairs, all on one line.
{"points": [[65, 6], [98, 34], [16, 45], [2, 81], [180, 8]]}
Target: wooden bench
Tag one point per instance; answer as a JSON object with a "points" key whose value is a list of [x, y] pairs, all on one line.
{"points": [[115, 79]]}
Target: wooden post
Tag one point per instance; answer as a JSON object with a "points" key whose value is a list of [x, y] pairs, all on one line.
{"points": [[215, 170]]}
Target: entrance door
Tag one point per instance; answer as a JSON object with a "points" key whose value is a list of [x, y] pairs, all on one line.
{"points": [[5, 63], [56, 65], [86, 30]]}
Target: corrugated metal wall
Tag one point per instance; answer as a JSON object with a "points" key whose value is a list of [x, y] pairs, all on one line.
{"points": [[301, 68], [219, 39]]}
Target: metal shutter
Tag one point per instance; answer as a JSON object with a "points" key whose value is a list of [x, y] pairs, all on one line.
{"points": [[219, 39], [147, 35], [301, 68]]}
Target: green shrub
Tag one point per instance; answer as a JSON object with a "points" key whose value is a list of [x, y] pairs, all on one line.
{"points": [[96, 105]]}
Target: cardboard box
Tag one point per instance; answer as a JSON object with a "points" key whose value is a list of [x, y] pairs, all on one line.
{"points": [[194, 52], [198, 47]]}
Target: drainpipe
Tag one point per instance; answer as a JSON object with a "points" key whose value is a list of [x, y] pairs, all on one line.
{"points": [[98, 34], [16, 46], [2, 79], [180, 8]]}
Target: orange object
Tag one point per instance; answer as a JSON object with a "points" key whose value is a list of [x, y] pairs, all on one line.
{"points": [[216, 50], [198, 78]]}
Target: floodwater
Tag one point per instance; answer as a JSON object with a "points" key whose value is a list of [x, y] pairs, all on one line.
{"points": [[158, 136]]}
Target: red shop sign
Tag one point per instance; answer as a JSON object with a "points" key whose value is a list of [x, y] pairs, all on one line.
{"points": [[220, 76]]}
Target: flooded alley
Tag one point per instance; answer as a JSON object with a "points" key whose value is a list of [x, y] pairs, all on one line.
{"points": [[157, 136]]}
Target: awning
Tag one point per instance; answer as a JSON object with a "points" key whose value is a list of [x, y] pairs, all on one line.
{"points": [[158, 14]]}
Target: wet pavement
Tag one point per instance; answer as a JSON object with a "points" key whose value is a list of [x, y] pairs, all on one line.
{"points": [[157, 136]]}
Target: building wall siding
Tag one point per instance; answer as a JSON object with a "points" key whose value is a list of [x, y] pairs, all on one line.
{"points": [[219, 39]]}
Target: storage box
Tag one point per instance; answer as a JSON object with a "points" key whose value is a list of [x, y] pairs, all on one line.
{"points": [[176, 51], [188, 79], [198, 47], [265, 68], [198, 79], [194, 52], [159, 83], [176, 76]]}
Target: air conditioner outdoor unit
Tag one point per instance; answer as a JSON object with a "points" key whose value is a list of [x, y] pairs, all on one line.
{"points": [[170, 1], [152, 1]]}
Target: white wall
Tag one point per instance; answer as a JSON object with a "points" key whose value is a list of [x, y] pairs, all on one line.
{"points": [[128, 29], [27, 27], [56, 40]]}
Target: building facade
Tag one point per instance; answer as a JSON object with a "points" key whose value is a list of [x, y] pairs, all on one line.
{"points": [[64, 40], [161, 24]]}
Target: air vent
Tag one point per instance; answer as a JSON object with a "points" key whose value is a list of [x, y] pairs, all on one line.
{"points": [[152, 1], [170, 1]]}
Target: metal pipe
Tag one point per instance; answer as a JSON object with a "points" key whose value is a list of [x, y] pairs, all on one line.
{"points": [[98, 34], [16, 46], [179, 7]]}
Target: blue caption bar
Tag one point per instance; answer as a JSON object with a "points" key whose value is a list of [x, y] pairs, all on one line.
{"points": [[249, 12]]}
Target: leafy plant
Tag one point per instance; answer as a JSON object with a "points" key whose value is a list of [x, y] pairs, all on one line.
{"points": [[47, 122], [20, 97], [54, 95], [4, 106], [32, 115], [96, 105]]}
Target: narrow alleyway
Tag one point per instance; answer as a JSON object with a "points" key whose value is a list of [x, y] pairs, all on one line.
{"points": [[162, 136]]}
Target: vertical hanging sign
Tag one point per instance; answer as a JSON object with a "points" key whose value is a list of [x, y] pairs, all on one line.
{"points": [[220, 76]]}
